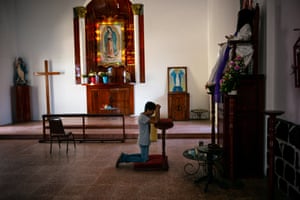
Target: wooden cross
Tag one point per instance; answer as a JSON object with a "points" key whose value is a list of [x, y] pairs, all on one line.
{"points": [[46, 73]]}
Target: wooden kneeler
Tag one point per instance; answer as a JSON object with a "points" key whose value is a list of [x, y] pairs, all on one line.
{"points": [[157, 161]]}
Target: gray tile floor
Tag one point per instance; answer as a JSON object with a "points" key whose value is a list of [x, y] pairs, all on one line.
{"points": [[28, 171]]}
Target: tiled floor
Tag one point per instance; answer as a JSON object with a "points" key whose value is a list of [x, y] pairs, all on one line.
{"points": [[28, 171]]}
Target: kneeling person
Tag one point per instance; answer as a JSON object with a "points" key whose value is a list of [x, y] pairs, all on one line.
{"points": [[144, 121]]}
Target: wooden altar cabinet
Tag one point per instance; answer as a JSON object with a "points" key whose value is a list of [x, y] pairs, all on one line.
{"points": [[118, 96], [241, 128]]}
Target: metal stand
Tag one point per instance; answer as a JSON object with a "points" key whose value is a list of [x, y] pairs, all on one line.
{"points": [[213, 151]]}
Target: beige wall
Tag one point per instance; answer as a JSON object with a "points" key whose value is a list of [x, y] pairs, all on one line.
{"points": [[177, 33]]}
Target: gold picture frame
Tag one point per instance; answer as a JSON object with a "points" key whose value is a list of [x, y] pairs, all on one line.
{"points": [[111, 45], [177, 79]]}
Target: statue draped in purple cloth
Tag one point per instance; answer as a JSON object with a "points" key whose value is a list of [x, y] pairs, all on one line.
{"points": [[243, 32]]}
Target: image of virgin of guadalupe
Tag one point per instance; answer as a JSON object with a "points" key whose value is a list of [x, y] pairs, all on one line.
{"points": [[20, 72], [110, 43]]}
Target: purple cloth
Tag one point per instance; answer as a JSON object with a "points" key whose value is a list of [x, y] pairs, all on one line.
{"points": [[220, 74]]}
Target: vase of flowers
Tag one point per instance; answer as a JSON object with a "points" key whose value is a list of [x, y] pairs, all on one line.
{"points": [[104, 76], [92, 78], [85, 78], [233, 72]]}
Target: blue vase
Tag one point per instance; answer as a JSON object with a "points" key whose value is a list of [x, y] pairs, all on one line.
{"points": [[105, 79]]}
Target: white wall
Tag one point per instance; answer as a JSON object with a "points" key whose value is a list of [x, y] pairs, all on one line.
{"points": [[222, 20], [45, 31], [8, 51], [177, 33], [286, 37], [282, 17]]}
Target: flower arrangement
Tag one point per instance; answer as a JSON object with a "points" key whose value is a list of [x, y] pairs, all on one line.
{"points": [[102, 74], [230, 79]]}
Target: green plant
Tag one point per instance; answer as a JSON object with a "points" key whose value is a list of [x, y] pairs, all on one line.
{"points": [[101, 74], [234, 70], [91, 74]]}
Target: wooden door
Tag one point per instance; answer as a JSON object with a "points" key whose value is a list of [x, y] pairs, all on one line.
{"points": [[178, 106]]}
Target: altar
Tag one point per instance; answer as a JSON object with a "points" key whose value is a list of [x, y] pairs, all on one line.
{"points": [[120, 97], [114, 48]]}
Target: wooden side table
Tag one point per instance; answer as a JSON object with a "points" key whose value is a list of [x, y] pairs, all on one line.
{"points": [[179, 106], [20, 102]]}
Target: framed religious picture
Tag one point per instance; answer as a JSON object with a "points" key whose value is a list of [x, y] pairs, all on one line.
{"points": [[177, 79], [110, 43]]}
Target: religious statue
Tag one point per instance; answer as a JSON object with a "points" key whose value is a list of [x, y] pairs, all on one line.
{"points": [[20, 72], [243, 32]]}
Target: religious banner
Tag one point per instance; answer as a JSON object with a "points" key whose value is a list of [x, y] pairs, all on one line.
{"points": [[177, 79], [110, 41]]}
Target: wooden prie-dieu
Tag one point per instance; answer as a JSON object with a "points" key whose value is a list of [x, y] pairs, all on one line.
{"points": [[158, 161]]}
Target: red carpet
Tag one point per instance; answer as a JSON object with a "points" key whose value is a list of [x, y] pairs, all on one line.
{"points": [[155, 162]]}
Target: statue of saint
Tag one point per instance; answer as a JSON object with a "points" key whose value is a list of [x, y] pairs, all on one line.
{"points": [[20, 72]]}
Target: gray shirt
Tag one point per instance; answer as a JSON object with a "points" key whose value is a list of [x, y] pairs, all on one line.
{"points": [[144, 130]]}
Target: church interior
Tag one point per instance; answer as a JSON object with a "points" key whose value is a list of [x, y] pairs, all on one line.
{"points": [[95, 63]]}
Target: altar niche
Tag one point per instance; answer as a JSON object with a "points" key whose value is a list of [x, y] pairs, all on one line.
{"points": [[109, 42], [100, 21], [104, 36]]}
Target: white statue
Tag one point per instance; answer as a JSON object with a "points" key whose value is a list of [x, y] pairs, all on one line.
{"points": [[20, 72]]}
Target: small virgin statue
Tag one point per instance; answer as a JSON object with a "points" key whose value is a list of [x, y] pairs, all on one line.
{"points": [[20, 72]]}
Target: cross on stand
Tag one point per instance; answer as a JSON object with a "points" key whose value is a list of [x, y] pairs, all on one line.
{"points": [[46, 73]]}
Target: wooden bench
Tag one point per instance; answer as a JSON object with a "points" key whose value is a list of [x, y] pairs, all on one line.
{"points": [[87, 121]]}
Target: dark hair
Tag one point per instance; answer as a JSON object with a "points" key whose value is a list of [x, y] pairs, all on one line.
{"points": [[245, 16], [150, 106]]}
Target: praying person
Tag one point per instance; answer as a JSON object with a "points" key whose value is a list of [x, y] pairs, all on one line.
{"points": [[144, 121]]}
